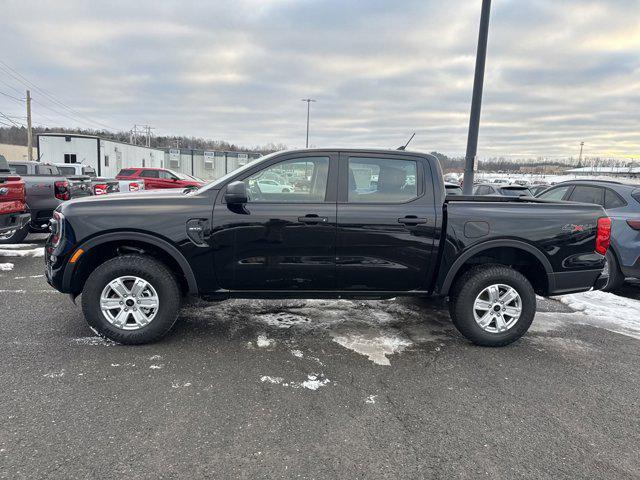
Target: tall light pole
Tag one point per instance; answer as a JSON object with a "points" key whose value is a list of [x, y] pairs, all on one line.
{"points": [[476, 101], [580, 156], [308, 100]]}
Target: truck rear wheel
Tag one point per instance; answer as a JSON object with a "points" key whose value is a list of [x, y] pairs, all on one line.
{"points": [[131, 299], [492, 305]]}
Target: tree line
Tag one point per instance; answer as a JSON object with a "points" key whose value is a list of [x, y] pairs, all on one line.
{"points": [[18, 136]]}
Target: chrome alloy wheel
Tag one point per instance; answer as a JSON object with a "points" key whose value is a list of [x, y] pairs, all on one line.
{"points": [[8, 235], [129, 303], [497, 308]]}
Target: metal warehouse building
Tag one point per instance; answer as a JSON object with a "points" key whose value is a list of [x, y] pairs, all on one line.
{"points": [[207, 165], [107, 157]]}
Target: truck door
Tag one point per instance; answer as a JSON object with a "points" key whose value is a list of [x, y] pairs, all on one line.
{"points": [[386, 222], [283, 238]]}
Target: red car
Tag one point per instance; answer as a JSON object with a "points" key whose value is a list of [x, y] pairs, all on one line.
{"points": [[14, 213], [155, 178]]}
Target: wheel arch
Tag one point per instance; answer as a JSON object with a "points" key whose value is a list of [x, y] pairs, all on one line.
{"points": [[500, 251], [102, 246]]}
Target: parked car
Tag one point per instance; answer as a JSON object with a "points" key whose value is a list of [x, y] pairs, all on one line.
{"points": [[14, 213], [622, 203], [47, 188], [452, 188], [271, 186], [99, 185], [155, 178], [502, 190], [134, 256]]}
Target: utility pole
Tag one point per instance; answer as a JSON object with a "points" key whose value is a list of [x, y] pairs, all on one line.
{"points": [[476, 101], [29, 132], [308, 100]]}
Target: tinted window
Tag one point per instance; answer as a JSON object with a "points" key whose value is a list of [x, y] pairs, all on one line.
{"points": [[46, 170], [150, 174], [612, 200], [484, 190], [167, 175], [4, 165], [454, 190], [67, 170], [587, 194], [515, 192], [126, 173], [18, 168], [380, 180], [291, 181], [555, 193]]}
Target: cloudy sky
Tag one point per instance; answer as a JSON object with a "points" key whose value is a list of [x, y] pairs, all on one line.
{"points": [[558, 72]]}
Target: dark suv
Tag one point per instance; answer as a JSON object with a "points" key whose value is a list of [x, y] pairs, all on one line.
{"points": [[622, 203]]}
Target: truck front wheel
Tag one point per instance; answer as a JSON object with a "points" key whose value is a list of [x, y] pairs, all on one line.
{"points": [[492, 305], [131, 299]]}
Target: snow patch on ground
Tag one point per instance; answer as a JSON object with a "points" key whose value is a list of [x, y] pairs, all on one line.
{"points": [[19, 246], [313, 382], [180, 385], [283, 319], [93, 341], [8, 252], [6, 267], [375, 345], [54, 374], [606, 310], [155, 357], [263, 341], [297, 353], [155, 367], [371, 399]]}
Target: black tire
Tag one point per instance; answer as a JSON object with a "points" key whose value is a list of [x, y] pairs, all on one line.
{"points": [[17, 237], [467, 288], [152, 271], [616, 278]]}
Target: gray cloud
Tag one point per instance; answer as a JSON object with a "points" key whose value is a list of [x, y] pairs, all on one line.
{"points": [[557, 72]]}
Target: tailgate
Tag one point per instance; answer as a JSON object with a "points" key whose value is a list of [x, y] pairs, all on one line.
{"points": [[12, 195], [79, 186]]}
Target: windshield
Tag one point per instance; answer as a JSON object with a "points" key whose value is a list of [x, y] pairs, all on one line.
{"points": [[218, 183]]}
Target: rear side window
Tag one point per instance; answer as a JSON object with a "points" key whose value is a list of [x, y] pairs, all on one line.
{"points": [[588, 194], [150, 174], [127, 173], [19, 169], [380, 180], [67, 170], [46, 170], [613, 200], [555, 193]]}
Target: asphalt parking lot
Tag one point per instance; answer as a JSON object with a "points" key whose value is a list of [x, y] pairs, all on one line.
{"points": [[310, 389]]}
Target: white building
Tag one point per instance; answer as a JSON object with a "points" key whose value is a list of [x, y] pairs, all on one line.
{"points": [[107, 157]]}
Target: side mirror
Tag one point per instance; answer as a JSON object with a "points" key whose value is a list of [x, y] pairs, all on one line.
{"points": [[236, 193], [174, 179]]}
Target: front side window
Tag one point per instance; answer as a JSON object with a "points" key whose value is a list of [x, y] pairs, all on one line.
{"points": [[300, 180], [380, 180], [167, 175], [585, 194], [555, 193], [149, 174]]}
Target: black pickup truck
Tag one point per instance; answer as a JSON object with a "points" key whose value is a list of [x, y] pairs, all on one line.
{"points": [[349, 224]]}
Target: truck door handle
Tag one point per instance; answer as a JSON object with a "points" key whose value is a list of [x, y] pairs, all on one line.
{"points": [[412, 220], [312, 218]]}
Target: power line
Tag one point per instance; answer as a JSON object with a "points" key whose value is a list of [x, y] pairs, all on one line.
{"points": [[12, 97], [9, 118], [22, 79]]}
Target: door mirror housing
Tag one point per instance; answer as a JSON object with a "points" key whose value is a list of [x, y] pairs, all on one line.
{"points": [[236, 193]]}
